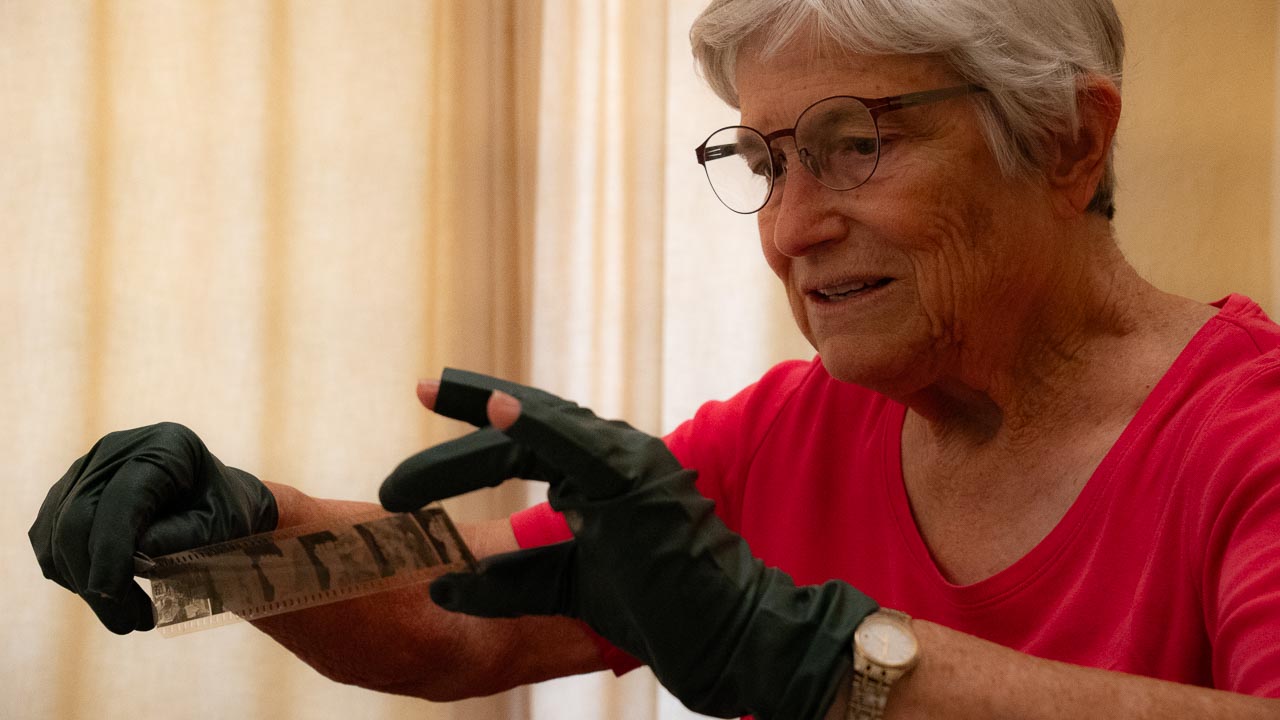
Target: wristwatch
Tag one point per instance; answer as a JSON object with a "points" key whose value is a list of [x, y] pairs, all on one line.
{"points": [[884, 649]]}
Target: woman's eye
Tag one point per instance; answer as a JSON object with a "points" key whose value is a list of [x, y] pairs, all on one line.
{"points": [[858, 145]]}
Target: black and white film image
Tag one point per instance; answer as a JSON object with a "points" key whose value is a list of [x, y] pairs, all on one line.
{"points": [[265, 575]]}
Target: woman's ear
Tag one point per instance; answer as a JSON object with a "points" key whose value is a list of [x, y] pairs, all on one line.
{"points": [[1079, 162]]}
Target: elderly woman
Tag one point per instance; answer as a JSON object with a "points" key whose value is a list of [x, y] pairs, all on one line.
{"points": [[1060, 485]]}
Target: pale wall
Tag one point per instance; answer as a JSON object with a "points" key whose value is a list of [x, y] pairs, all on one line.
{"points": [[1197, 146]]}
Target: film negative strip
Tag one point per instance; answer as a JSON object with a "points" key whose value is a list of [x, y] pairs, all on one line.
{"points": [[301, 567]]}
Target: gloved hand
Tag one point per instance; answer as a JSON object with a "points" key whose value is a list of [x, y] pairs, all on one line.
{"points": [[651, 567], [156, 489]]}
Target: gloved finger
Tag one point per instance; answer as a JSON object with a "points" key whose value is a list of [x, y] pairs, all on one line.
{"points": [[526, 582], [205, 518], [130, 611], [127, 505], [60, 534], [70, 537], [41, 533], [175, 533], [463, 395], [73, 523], [61, 531], [484, 458], [598, 458]]}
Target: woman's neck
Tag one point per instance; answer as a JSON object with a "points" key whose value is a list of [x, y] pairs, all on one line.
{"points": [[1086, 350]]}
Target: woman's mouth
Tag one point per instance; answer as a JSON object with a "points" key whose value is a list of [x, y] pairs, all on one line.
{"points": [[848, 290]]}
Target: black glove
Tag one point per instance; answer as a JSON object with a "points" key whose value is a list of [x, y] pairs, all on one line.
{"points": [[155, 489], [651, 567]]}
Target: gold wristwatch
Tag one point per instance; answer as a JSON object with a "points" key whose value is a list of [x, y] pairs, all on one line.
{"points": [[884, 649]]}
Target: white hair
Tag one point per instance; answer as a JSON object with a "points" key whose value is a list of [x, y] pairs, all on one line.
{"points": [[1031, 55]]}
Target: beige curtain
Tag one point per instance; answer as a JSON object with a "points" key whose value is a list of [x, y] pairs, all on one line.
{"points": [[264, 220], [267, 219]]}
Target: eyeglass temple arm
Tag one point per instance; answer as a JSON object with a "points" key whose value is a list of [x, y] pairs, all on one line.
{"points": [[924, 97], [715, 152]]}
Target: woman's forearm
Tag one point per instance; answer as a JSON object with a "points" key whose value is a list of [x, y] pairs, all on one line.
{"points": [[399, 641], [961, 677]]}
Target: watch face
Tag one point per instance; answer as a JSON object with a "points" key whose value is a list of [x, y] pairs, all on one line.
{"points": [[886, 642]]}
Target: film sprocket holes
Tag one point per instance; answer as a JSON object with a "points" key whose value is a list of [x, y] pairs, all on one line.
{"points": [[301, 567]]}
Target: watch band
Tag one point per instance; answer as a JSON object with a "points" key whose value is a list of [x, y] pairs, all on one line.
{"points": [[869, 695], [869, 691]]}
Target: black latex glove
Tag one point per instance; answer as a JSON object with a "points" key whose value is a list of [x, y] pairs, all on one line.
{"points": [[155, 489], [651, 567]]}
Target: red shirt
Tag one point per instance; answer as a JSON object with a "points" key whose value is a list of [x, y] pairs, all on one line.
{"points": [[1166, 565]]}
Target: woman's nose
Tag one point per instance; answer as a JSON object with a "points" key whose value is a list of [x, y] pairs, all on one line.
{"points": [[803, 214]]}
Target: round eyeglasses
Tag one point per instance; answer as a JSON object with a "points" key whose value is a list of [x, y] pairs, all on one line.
{"points": [[837, 140]]}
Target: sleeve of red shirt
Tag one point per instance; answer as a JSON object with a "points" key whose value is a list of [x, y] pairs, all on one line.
{"points": [[1239, 537], [716, 443]]}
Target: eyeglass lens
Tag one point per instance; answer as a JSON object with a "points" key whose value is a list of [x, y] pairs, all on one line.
{"points": [[836, 140]]}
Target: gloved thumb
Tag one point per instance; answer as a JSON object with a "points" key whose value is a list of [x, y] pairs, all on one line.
{"points": [[525, 582]]}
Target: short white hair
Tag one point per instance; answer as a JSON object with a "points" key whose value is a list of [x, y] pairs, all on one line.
{"points": [[1031, 55]]}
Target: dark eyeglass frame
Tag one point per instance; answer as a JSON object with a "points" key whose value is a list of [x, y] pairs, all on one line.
{"points": [[875, 106]]}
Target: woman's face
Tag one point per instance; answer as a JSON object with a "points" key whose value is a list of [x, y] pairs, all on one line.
{"points": [[935, 253]]}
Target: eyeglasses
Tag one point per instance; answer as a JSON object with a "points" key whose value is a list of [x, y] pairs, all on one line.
{"points": [[837, 140]]}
